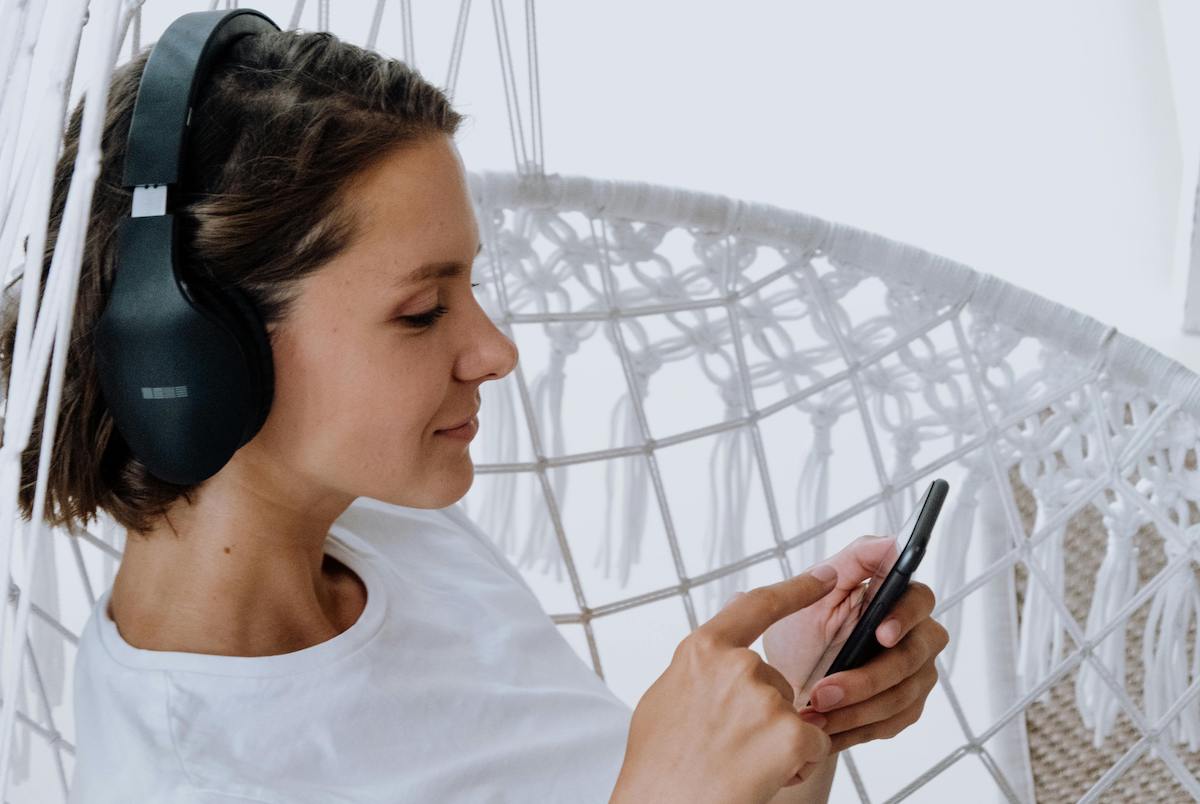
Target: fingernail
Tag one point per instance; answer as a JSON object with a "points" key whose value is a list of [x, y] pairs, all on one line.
{"points": [[823, 573], [889, 631], [828, 696], [817, 720]]}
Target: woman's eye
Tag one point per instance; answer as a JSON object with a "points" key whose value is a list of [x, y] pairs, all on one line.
{"points": [[427, 319]]}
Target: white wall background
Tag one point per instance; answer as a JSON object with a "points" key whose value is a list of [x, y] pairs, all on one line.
{"points": [[1039, 142]]}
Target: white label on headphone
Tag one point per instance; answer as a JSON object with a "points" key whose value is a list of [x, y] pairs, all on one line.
{"points": [[164, 392]]}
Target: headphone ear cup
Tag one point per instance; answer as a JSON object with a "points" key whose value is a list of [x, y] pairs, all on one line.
{"points": [[240, 315], [177, 366]]}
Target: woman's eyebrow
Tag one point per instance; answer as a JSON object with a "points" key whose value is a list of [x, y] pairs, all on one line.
{"points": [[436, 270]]}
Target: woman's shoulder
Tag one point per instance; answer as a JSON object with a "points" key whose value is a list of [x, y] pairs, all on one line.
{"points": [[425, 537]]}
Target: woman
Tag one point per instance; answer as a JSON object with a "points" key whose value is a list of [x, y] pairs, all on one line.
{"points": [[318, 621]]}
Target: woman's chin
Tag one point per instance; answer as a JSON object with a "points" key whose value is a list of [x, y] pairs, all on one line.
{"points": [[444, 485], [456, 481]]}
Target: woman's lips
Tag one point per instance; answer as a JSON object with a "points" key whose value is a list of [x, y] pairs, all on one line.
{"points": [[465, 432]]}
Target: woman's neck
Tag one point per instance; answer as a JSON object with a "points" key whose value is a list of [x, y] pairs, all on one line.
{"points": [[243, 580], [157, 613]]}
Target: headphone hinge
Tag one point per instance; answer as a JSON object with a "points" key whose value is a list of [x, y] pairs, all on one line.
{"points": [[149, 199]]}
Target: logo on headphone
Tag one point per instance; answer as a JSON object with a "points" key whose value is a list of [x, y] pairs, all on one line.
{"points": [[164, 392]]}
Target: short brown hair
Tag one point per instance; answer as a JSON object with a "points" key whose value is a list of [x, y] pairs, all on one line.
{"points": [[284, 122]]}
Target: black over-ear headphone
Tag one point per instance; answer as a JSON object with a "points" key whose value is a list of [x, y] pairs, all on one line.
{"points": [[185, 367]]}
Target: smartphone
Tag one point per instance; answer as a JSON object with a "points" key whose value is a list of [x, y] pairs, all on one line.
{"points": [[884, 588]]}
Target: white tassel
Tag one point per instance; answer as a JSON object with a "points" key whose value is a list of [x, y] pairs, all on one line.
{"points": [[812, 494], [951, 566], [558, 476], [998, 600], [547, 404], [636, 499], [731, 459], [907, 446], [603, 555], [623, 428], [1168, 668], [1116, 583], [1041, 630]]}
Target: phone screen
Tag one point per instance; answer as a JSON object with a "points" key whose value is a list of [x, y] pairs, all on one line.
{"points": [[861, 597]]}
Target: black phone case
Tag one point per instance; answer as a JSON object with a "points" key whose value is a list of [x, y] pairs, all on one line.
{"points": [[862, 644], [857, 651]]}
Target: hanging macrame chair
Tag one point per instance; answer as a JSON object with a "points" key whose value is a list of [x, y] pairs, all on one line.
{"points": [[713, 394]]}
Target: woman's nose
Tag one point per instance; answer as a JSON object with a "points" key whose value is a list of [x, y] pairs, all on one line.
{"points": [[505, 353], [493, 354]]}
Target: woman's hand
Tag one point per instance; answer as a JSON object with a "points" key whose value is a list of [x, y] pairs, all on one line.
{"points": [[886, 694], [720, 724]]}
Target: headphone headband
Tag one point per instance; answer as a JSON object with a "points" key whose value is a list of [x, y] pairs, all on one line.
{"points": [[177, 68]]}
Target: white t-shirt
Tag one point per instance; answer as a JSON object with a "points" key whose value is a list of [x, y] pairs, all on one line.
{"points": [[453, 685]]}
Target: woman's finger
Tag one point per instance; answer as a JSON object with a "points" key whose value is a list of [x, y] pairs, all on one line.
{"points": [[914, 605], [884, 670], [885, 705], [769, 674], [877, 731]]}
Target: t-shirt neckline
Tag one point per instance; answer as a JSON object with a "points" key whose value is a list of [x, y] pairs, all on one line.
{"points": [[342, 545]]}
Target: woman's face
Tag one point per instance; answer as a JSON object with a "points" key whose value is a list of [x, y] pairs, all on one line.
{"points": [[361, 384]]}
